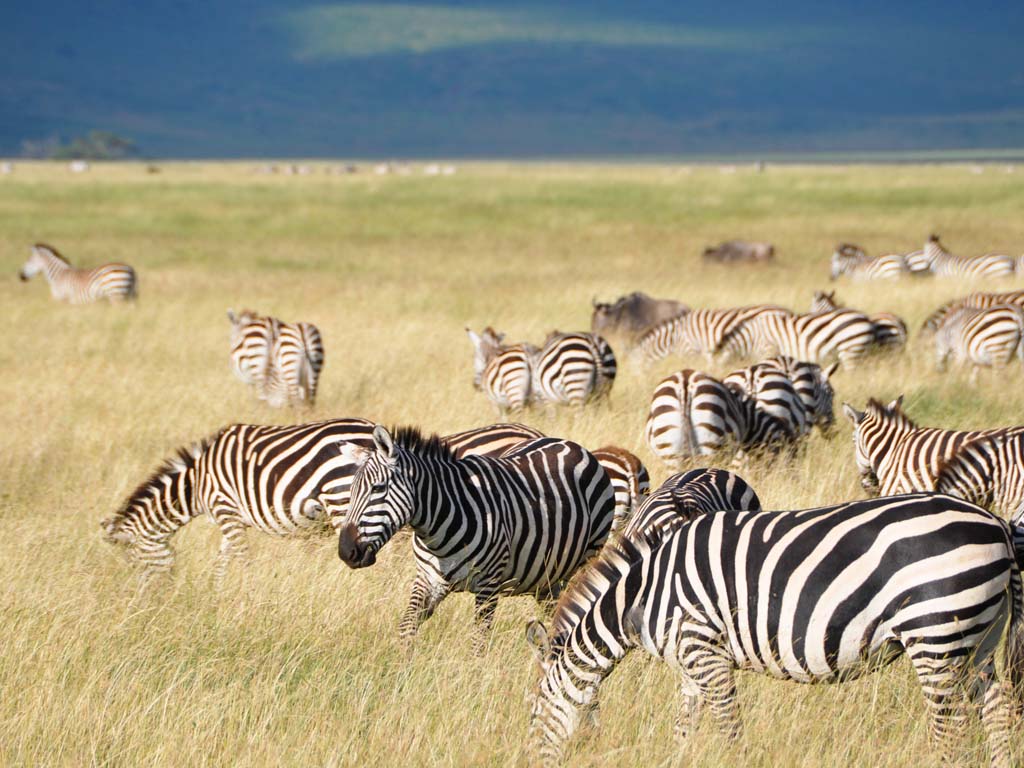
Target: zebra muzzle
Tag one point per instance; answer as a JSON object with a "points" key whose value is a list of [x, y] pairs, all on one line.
{"points": [[352, 552]]}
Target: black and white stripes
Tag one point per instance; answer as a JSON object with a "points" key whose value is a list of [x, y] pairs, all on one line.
{"points": [[114, 282], [280, 361]]}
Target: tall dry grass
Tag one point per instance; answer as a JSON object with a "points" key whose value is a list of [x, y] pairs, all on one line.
{"points": [[297, 662]]}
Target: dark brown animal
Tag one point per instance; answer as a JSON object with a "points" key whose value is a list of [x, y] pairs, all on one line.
{"points": [[740, 251], [633, 313]]}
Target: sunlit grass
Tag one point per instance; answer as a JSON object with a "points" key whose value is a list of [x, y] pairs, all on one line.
{"points": [[298, 661]]}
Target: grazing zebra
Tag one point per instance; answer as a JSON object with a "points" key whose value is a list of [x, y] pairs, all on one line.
{"points": [[938, 261], [573, 368], [694, 414], [281, 361], [894, 455], [629, 478], [492, 440], [850, 260], [812, 385], [890, 330], [816, 337], [978, 300], [982, 337], [275, 479], [503, 372], [813, 596], [114, 282], [685, 495], [769, 388], [518, 524], [988, 471], [701, 331]]}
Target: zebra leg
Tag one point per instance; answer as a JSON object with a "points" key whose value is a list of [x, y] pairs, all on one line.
{"points": [[483, 617], [689, 713], [988, 693], [426, 594], [712, 675], [942, 686], [232, 544]]}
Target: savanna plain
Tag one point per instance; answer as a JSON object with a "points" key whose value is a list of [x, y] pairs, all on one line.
{"points": [[297, 661]]}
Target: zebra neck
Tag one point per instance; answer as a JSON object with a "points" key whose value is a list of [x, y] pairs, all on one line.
{"points": [[441, 498], [54, 267]]}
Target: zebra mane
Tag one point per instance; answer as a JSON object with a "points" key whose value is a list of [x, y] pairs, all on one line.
{"points": [[415, 442], [52, 251], [881, 410], [182, 461], [595, 579]]}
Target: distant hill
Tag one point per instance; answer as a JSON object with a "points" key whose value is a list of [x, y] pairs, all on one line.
{"points": [[260, 78]]}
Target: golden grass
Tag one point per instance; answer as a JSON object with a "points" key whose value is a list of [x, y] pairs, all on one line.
{"points": [[297, 661]]}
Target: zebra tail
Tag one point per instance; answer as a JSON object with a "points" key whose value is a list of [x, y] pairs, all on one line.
{"points": [[688, 437], [1013, 660]]}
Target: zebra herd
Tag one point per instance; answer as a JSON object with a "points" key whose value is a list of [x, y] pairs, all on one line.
{"points": [[695, 571], [932, 260]]}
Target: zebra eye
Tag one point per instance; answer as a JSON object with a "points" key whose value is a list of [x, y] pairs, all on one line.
{"points": [[378, 487]]}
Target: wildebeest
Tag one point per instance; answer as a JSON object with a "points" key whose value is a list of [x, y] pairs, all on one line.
{"points": [[633, 313], [732, 251]]}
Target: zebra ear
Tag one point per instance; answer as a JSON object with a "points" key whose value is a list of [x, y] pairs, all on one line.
{"points": [[896, 404], [855, 416], [474, 338], [538, 639], [231, 317], [383, 441], [827, 373], [352, 453]]}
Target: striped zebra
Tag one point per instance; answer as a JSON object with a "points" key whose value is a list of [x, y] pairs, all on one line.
{"points": [[890, 330], [518, 524], [812, 384], [852, 261], [694, 414], [988, 338], [701, 331], [988, 471], [936, 260], [281, 361], [817, 337], [768, 387], [894, 455], [279, 480], [629, 478], [503, 372], [813, 596], [685, 495], [573, 368], [979, 300], [492, 440], [114, 282]]}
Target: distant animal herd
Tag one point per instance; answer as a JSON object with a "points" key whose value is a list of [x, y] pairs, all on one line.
{"points": [[694, 571]]}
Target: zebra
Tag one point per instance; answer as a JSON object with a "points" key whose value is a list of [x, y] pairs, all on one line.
{"points": [[521, 523], [816, 337], [573, 368], [695, 414], [503, 372], [982, 337], [114, 282], [279, 480], [769, 387], [685, 495], [890, 330], [700, 331], [851, 260], [988, 471], [979, 300], [629, 478], [814, 596], [936, 260], [492, 440], [812, 384], [894, 455], [281, 361]]}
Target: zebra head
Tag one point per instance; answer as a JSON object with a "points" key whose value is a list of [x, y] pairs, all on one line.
{"points": [[875, 431], [41, 255], [486, 345], [822, 396], [383, 499], [824, 301], [844, 258]]}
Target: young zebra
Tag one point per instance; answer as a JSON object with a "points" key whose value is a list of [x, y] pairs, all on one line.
{"points": [[629, 478], [701, 331], [281, 361], [518, 524], [988, 471], [850, 260], [890, 330], [816, 337], [685, 495], [573, 368], [894, 455], [936, 260], [813, 596], [277, 480], [988, 338], [503, 372], [979, 300], [114, 282], [694, 414]]}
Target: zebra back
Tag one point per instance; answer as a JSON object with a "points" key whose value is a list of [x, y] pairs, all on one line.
{"points": [[491, 440], [988, 337], [980, 300], [987, 470], [629, 478]]}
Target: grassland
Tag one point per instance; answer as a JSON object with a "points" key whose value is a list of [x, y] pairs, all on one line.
{"points": [[296, 662]]}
